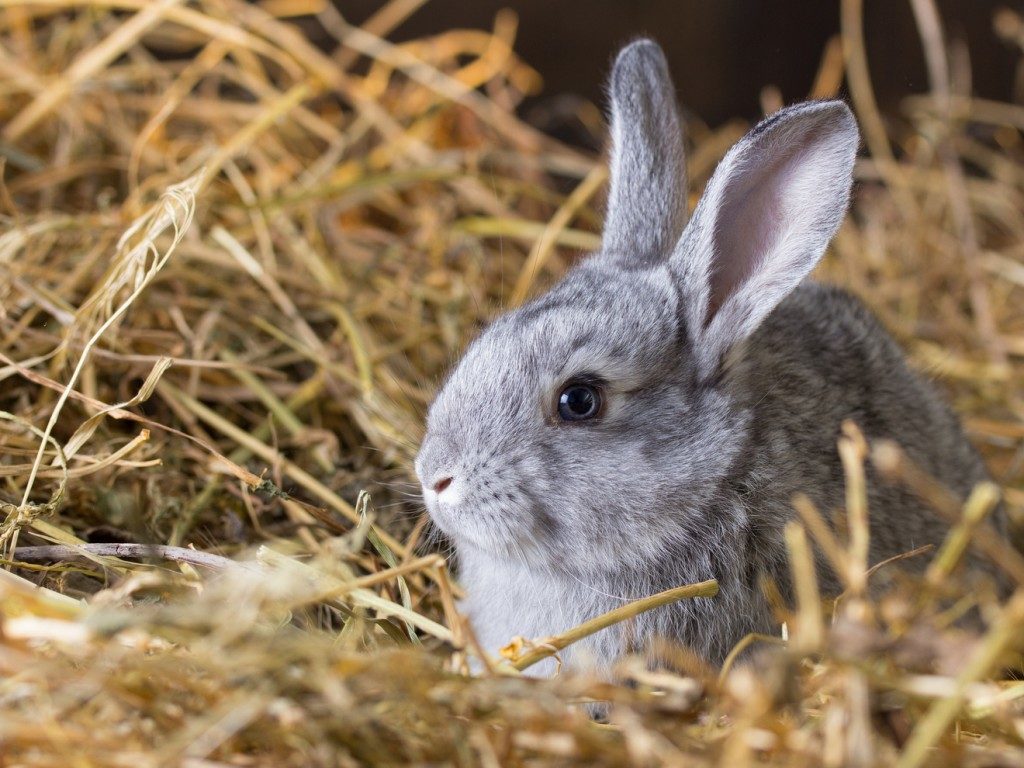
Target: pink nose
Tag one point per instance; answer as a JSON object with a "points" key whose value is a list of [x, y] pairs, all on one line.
{"points": [[442, 483]]}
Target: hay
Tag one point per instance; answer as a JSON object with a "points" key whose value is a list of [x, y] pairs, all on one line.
{"points": [[232, 268]]}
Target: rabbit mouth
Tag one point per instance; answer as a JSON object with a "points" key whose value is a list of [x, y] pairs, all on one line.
{"points": [[495, 532]]}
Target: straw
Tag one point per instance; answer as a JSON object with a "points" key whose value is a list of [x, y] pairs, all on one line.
{"points": [[235, 264]]}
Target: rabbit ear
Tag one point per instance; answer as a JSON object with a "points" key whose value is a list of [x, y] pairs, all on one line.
{"points": [[647, 195], [768, 213]]}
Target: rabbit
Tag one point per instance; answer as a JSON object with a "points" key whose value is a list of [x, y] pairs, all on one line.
{"points": [[647, 422]]}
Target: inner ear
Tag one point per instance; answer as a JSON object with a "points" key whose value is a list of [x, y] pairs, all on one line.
{"points": [[773, 206], [752, 221]]}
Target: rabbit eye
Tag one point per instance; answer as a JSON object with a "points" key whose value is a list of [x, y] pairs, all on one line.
{"points": [[579, 402]]}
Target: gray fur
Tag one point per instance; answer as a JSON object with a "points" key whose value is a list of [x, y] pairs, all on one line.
{"points": [[728, 376], [647, 195]]}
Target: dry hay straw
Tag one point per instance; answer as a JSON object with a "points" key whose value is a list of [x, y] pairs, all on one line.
{"points": [[232, 267]]}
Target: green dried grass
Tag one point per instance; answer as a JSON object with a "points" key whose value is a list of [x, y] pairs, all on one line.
{"points": [[358, 213]]}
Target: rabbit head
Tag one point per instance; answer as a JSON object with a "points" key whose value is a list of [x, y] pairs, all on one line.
{"points": [[588, 429]]}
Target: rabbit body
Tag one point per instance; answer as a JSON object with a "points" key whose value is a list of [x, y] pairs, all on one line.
{"points": [[646, 423]]}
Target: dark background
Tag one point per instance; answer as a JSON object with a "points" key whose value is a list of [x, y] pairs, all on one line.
{"points": [[722, 52]]}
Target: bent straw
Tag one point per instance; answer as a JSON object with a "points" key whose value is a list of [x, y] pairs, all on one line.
{"points": [[549, 646]]}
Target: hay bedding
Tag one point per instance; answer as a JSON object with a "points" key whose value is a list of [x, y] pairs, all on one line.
{"points": [[233, 265]]}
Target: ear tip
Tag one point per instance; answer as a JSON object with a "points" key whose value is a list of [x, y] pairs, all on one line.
{"points": [[836, 110], [841, 110], [833, 114], [641, 47], [846, 123], [643, 59]]}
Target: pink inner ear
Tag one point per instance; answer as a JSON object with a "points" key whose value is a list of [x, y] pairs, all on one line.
{"points": [[755, 215]]}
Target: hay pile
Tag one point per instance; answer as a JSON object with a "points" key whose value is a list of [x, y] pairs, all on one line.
{"points": [[232, 267]]}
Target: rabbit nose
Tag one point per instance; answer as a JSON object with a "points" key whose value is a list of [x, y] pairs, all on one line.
{"points": [[442, 483]]}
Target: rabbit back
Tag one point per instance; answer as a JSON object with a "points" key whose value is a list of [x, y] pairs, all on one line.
{"points": [[821, 358]]}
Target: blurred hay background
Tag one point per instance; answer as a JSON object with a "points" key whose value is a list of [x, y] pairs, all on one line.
{"points": [[233, 267]]}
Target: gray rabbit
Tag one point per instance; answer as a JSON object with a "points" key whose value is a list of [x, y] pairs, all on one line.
{"points": [[646, 423]]}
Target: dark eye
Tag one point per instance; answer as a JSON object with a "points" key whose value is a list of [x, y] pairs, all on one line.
{"points": [[579, 402]]}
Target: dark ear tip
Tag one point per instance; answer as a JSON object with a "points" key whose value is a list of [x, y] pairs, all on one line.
{"points": [[641, 60], [834, 115]]}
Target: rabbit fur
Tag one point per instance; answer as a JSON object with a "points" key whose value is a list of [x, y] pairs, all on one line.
{"points": [[725, 376]]}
